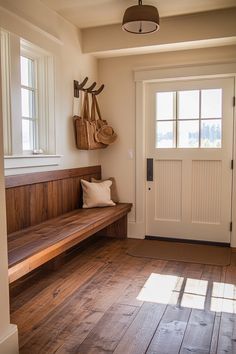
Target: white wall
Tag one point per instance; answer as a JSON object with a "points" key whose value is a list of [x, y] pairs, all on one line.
{"points": [[118, 106], [8, 332], [175, 31], [38, 24]]}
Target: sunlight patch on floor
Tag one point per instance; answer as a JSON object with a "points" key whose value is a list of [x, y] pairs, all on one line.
{"points": [[191, 293], [159, 288]]}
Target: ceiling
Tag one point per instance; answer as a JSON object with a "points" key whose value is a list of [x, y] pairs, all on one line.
{"points": [[93, 13]]}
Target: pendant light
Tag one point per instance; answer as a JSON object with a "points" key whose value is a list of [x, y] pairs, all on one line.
{"points": [[141, 19]]}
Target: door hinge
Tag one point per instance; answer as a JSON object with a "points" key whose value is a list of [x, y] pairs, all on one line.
{"points": [[234, 101], [231, 226], [232, 164]]}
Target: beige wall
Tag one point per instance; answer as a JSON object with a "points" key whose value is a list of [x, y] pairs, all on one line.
{"points": [[118, 106], [8, 332], [174, 30], [36, 23]]}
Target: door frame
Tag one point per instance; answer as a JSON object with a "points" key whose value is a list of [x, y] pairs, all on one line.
{"points": [[178, 73]]}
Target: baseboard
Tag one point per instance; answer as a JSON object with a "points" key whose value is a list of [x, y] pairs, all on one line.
{"points": [[136, 230], [199, 242], [9, 341]]}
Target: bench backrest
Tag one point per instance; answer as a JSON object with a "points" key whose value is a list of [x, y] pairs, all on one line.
{"points": [[36, 197]]}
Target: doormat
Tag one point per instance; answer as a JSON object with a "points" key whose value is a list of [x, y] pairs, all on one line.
{"points": [[182, 252]]}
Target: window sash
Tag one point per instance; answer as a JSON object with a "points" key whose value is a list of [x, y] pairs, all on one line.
{"points": [[12, 48], [33, 109], [176, 120]]}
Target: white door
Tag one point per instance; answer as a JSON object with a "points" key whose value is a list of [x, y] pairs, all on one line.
{"points": [[189, 135]]}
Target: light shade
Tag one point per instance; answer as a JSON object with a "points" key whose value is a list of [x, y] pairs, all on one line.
{"points": [[141, 19]]}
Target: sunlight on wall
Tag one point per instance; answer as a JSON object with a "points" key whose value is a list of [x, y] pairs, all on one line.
{"points": [[188, 292]]}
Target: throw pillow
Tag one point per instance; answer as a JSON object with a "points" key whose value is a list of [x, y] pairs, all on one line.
{"points": [[114, 193], [96, 194]]}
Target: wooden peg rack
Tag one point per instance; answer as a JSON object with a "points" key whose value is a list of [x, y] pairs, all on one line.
{"points": [[81, 87]]}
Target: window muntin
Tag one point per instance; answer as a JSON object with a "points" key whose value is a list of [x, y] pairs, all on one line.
{"points": [[189, 119]]}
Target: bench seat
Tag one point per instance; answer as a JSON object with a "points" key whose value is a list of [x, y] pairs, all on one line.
{"points": [[33, 246]]}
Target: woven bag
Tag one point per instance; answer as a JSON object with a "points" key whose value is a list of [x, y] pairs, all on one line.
{"points": [[85, 129]]}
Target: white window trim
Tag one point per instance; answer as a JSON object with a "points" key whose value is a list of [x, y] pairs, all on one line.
{"points": [[14, 157], [23, 161], [46, 99], [6, 102]]}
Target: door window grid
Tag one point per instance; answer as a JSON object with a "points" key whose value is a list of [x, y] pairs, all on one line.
{"points": [[204, 135], [29, 106]]}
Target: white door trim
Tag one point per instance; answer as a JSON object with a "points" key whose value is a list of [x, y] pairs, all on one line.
{"points": [[138, 228]]}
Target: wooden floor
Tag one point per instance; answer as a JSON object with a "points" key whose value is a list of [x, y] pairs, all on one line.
{"points": [[105, 301]]}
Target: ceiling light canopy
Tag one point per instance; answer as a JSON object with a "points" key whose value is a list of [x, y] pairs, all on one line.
{"points": [[141, 19]]}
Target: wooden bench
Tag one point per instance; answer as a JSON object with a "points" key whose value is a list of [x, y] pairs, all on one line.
{"points": [[45, 218]]}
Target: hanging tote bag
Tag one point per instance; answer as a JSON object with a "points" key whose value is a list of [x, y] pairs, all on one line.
{"points": [[81, 136], [85, 129], [96, 114], [104, 132]]}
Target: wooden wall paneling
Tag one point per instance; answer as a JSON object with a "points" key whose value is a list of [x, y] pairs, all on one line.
{"points": [[33, 201], [40, 207], [10, 209], [18, 210], [37, 197], [50, 201], [26, 206], [40, 177], [75, 192]]}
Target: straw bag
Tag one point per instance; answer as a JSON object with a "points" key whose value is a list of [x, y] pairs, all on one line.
{"points": [[104, 132], [96, 114], [85, 129]]}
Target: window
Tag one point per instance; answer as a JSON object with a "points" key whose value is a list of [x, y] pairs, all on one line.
{"points": [[27, 102], [189, 119]]}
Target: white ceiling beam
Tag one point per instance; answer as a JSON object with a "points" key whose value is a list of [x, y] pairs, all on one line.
{"points": [[201, 27]]}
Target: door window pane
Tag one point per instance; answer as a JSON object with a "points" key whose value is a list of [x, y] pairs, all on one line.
{"points": [[211, 105], [211, 133], [165, 135], [188, 104], [165, 105], [27, 134], [188, 111], [27, 103], [188, 134]]}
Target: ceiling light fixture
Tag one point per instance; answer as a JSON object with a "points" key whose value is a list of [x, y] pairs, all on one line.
{"points": [[141, 19]]}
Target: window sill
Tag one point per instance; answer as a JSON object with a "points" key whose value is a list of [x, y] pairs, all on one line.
{"points": [[29, 161]]}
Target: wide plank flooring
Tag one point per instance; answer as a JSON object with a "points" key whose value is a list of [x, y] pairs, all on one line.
{"points": [[101, 300]]}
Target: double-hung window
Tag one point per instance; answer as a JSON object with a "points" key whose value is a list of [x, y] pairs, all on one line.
{"points": [[28, 100], [29, 104]]}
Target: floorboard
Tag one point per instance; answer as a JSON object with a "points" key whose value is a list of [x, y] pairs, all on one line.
{"points": [[101, 300]]}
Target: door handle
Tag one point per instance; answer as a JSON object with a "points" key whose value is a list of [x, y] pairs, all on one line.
{"points": [[149, 169]]}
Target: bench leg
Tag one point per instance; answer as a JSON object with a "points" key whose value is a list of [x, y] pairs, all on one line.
{"points": [[116, 230]]}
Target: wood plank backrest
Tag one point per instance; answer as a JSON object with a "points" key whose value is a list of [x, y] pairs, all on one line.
{"points": [[36, 197]]}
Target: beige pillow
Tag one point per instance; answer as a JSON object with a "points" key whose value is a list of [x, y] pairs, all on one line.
{"points": [[96, 194], [114, 193]]}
